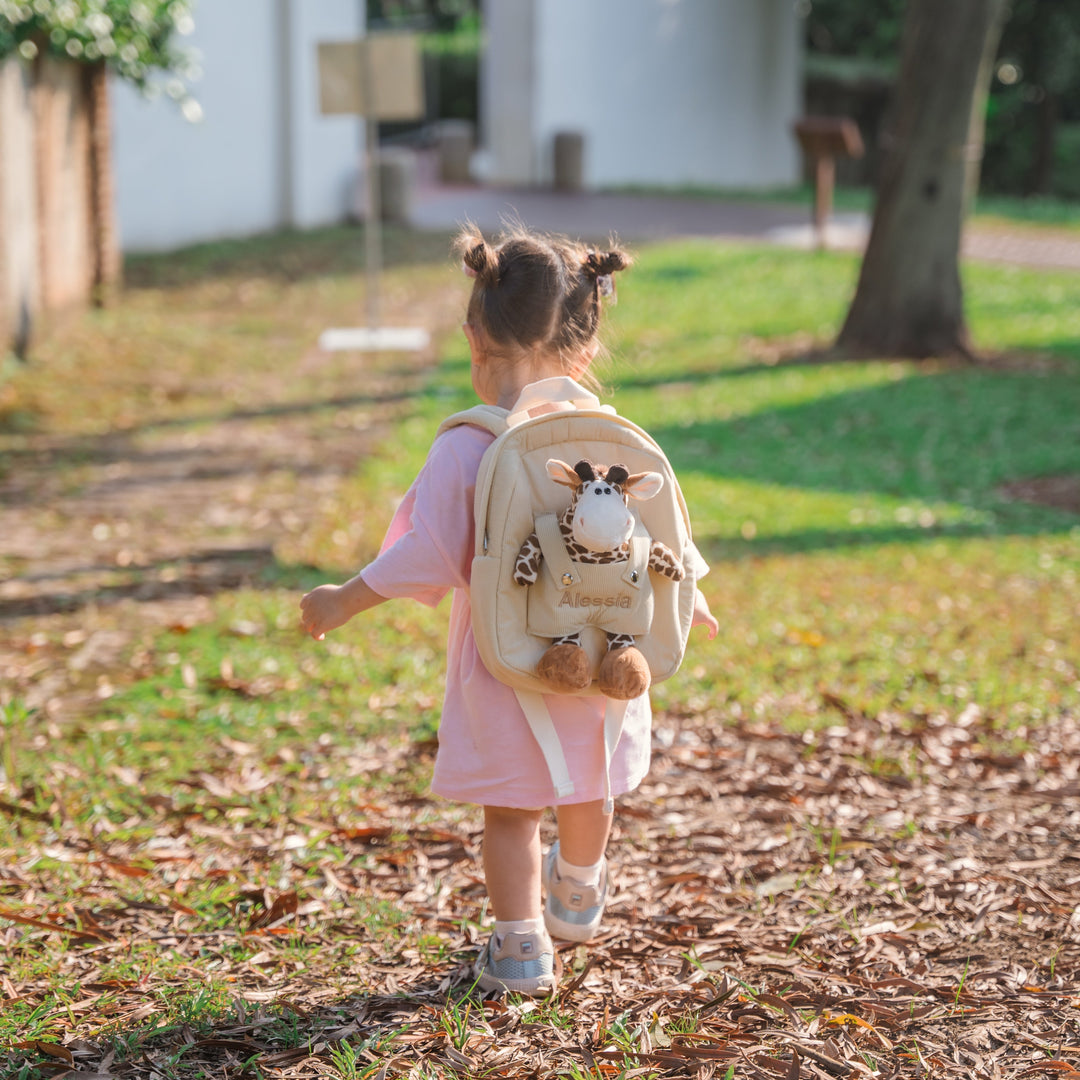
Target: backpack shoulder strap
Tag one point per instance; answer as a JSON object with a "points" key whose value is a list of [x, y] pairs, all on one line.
{"points": [[489, 417]]}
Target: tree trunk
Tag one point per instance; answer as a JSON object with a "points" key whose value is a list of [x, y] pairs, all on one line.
{"points": [[104, 241], [1042, 168], [909, 301], [1043, 75]]}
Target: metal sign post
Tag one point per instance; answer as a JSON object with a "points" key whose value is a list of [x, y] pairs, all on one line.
{"points": [[378, 77]]}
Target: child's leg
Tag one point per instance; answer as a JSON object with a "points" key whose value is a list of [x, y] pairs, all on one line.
{"points": [[583, 832], [512, 862], [519, 955]]}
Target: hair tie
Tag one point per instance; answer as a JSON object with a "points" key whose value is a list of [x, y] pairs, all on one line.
{"points": [[605, 281]]}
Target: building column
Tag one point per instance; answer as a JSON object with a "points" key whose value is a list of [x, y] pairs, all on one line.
{"points": [[508, 90]]}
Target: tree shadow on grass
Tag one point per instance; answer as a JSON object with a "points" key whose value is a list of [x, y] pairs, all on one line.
{"points": [[197, 573], [958, 436], [1058, 359], [694, 376], [47, 452], [89, 449]]}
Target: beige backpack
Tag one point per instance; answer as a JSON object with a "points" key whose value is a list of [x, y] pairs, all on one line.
{"points": [[515, 498]]}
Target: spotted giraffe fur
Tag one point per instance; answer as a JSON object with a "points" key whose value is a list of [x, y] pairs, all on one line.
{"points": [[662, 560]]}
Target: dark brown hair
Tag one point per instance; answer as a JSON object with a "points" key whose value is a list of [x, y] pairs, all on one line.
{"points": [[533, 291]]}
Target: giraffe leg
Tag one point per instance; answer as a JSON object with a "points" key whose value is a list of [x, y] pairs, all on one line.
{"points": [[624, 672], [565, 666]]}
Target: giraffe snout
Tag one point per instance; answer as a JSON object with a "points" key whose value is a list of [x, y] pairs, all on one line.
{"points": [[603, 526]]}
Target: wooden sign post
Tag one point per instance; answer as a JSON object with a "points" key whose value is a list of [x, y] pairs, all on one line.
{"points": [[824, 139], [378, 77]]}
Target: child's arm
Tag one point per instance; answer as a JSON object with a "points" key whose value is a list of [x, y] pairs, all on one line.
{"points": [[703, 616], [330, 606]]}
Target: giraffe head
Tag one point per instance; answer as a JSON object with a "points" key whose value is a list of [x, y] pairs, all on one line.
{"points": [[601, 515]]}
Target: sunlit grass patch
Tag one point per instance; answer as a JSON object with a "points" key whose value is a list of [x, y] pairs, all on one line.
{"points": [[212, 825], [891, 634]]}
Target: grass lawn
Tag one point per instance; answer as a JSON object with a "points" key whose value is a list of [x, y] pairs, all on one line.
{"points": [[218, 856], [1013, 211]]}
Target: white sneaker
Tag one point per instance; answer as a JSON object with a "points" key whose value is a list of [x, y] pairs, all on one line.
{"points": [[523, 963], [572, 911]]}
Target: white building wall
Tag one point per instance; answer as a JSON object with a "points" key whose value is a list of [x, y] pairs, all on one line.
{"points": [[262, 157], [508, 91], [326, 150], [19, 267], [667, 91]]}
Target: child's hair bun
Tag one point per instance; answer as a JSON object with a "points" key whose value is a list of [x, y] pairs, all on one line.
{"points": [[479, 258], [602, 263]]}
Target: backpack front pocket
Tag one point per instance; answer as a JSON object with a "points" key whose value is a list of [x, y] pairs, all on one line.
{"points": [[600, 595]]}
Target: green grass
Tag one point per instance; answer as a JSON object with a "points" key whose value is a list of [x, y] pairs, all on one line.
{"points": [[1046, 210], [866, 560], [1000, 211], [842, 505], [846, 199]]}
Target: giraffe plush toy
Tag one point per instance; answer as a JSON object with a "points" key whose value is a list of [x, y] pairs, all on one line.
{"points": [[598, 529]]}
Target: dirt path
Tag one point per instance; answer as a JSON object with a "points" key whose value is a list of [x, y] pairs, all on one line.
{"points": [[103, 536]]}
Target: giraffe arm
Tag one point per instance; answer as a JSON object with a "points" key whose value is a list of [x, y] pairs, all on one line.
{"points": [[527, 563], [664, 561]]}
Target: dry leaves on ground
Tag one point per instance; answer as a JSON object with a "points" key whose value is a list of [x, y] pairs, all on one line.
{"points": [[781, 907]]}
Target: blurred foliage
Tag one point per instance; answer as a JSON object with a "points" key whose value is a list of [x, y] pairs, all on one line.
{"points": [[1035, 90], [1037, 86], [868, 28], [443, 16], [452, 62], [133, 37], [1043, 40], [450, 41], [459, 83]]}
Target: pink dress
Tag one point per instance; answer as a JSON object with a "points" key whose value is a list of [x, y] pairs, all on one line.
{"points": [[487, 753]]}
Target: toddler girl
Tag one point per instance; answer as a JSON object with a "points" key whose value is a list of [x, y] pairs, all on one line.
{"points": [[532, 331]]}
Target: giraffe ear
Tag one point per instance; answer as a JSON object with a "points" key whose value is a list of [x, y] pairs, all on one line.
{"points": [[644, 485], [562, 473]]}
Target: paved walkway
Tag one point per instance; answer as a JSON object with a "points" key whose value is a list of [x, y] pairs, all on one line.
{"points": [[648, 217]]}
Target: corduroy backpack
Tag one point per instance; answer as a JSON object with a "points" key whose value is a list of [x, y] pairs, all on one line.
{"points": [[517, 500]]}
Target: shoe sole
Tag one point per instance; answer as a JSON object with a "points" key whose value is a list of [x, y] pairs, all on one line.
{"points": [[576, 932], [486, 980]]}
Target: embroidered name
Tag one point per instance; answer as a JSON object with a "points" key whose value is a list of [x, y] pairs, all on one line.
{"points": [[576, 600]]}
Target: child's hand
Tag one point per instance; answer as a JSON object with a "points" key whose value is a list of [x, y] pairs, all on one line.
{"points": [[703, 616], [330, 606], [322, 610]]}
